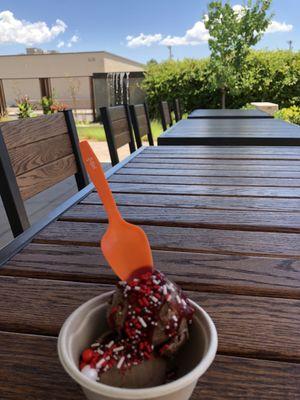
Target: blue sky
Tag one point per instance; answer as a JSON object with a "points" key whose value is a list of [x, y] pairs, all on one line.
{"points": [[105, 25]]}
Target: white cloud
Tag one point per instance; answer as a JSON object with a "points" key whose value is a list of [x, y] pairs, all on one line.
{"points": [[69, 43], [276, 26], [196, 35], [13, 30], [74, 39], [273, 27], [60, 44], [143, 40]]}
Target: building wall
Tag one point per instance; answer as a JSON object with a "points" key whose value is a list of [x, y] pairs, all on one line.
{"points": [[16, 88], [65, 89], [21, 73], [50, 65], [64, 64], [117, 64]]}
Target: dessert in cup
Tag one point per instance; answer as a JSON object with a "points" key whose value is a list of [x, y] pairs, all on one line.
{"points": [[145, 340]]}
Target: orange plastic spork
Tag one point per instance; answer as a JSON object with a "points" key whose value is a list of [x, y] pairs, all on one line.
{"points": [[125, 246]]}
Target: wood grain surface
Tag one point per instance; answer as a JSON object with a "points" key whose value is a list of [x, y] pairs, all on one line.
{"points": [[34, 359], [236, 274], [235, 316], [187, 217], [228, 113], [223, 223], [41, 178], [29, 130], [202, 202], [37, 154], [182, 239], [231, 132]]}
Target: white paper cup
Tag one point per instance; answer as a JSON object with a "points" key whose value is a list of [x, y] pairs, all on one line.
{"points": [[84, 325]]}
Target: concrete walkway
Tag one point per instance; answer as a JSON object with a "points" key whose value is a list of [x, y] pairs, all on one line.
{"points": [[43, 203]]}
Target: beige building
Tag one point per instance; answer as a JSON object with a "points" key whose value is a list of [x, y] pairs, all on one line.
{"points": [[69, 76]]}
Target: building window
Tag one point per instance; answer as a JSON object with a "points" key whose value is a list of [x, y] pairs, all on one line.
{"points": [[46, 90]]}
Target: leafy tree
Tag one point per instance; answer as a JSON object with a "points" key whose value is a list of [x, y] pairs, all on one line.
{"points": [[233, 31], [152, 61]]}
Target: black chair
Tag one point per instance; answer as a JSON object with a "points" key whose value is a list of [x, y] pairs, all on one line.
{"points": [[35, 154], [165, 113], [118, 130], [141, 123], [177, 110]]}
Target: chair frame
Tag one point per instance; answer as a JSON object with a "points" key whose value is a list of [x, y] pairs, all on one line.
{"points": [[163, 117], [136, 129], [108, 127], [9, 190], [177, 110]]}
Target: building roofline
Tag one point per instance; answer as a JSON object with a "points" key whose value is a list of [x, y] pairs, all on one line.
{"points": [[77, 52], [125, 59]]}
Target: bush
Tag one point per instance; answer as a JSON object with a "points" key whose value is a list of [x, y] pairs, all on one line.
{"points": [[58, 107], [269, 76], [47, 103], [26, 108], [248, 106], [291, 114], [50, 105]]}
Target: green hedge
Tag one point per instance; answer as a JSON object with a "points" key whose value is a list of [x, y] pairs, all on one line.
{"points": [[269, 76], [291, 114]]}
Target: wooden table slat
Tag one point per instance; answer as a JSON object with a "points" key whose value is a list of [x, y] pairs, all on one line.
{"points": [[233, 219], [216, 173], [182, 239], [202, 202], [236, 165], [228, 113], [236, 274], [196, 190], [207, 181]]}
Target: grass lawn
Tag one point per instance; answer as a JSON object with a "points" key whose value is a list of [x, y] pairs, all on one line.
{"points": [[96, 131]]}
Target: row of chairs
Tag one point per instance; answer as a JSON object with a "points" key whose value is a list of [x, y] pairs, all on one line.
{"points": [[119, 124], [123, 124], [166, 115], [37, 153]]}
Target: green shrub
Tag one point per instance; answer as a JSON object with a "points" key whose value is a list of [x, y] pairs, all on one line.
{"points": [[50, 105], [47, 103], [269, 76], [248, 106], [26, 108], [291, 114]]}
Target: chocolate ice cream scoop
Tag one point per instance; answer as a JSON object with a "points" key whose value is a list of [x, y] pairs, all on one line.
{"points": [[151, 306], [148, 317]]}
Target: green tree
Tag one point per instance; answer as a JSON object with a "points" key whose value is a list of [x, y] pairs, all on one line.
{"points": [[233, 31], [152, 61]]}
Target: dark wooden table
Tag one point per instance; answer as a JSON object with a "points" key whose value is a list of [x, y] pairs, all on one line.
{"points": [[238, 114], [224, 223], [232, 132]]}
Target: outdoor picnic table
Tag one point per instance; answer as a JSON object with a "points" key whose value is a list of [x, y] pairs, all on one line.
{"points": [[228, 113], [232, 132], [223, 223]]}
